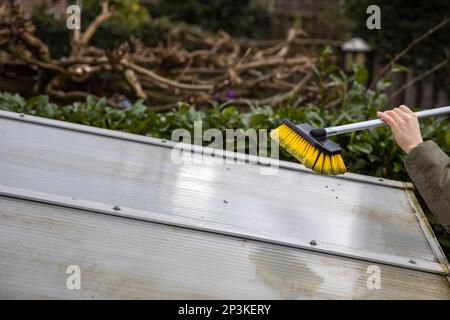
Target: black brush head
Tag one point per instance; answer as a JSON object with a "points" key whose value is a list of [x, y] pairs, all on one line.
{"points": [[322, 143]]}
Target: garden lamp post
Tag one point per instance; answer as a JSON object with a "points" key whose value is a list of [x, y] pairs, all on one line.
{"points": [[355, 51]]}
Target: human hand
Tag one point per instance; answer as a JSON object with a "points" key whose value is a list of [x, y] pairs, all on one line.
{"points": [[404, 126]]}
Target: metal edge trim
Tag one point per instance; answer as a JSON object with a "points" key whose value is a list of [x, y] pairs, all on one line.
{"points": [[218, 228], [266, 161], [427, 230]]}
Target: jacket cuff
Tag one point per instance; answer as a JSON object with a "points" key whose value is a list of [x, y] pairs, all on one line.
{"points": [[416, 155]]}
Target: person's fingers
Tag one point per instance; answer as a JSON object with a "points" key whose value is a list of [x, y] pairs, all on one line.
{"points": [[384, 116], [402, 114], [406, 109], [397, 118], [410, 116]]}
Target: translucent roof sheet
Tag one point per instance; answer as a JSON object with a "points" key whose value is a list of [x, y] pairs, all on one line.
{"points": [[116, 204]]}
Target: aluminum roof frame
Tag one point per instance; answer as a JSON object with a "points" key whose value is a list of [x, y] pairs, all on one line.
{"points": [[214, 227], [123, 258], [421, 247]]}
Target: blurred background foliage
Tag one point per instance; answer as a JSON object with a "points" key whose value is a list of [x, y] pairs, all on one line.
{"points": [[149, 22], [133, 19], [402, 22], [239, 18]]}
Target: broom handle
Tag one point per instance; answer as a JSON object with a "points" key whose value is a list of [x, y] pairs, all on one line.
{"points": [[332, 131]]}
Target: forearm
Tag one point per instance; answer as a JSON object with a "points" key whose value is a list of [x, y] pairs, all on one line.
{"points": [[429, 168]]}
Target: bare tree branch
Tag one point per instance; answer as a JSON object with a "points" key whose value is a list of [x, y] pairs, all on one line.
{"points": [[133, 81], [159, 80], [191, 65], [106, 14], [413, 43], [420, 77]]}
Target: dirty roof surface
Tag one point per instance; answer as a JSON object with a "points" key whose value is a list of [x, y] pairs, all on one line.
{"points": [[140, 225]]}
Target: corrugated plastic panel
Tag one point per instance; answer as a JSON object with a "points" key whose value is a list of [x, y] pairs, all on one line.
{"points": [[349, 217], [130, 259], [179, 225]]}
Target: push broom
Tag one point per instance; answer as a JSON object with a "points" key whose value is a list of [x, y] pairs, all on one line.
{"points": [[314, 150]]}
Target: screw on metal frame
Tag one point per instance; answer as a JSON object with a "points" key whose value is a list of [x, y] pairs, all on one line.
{"points": [[117, 208]]}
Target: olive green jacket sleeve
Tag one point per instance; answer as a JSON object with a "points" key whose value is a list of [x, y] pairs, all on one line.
{"points": [[429, 169]]}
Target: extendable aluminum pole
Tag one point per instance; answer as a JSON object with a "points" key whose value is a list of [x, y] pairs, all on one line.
{"points": [[332, 131]]}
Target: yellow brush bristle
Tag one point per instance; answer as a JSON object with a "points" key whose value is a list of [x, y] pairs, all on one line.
{"points": [[306, 153]]}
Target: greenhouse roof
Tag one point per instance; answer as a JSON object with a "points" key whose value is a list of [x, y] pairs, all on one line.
{"points": [[139, 225]]}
